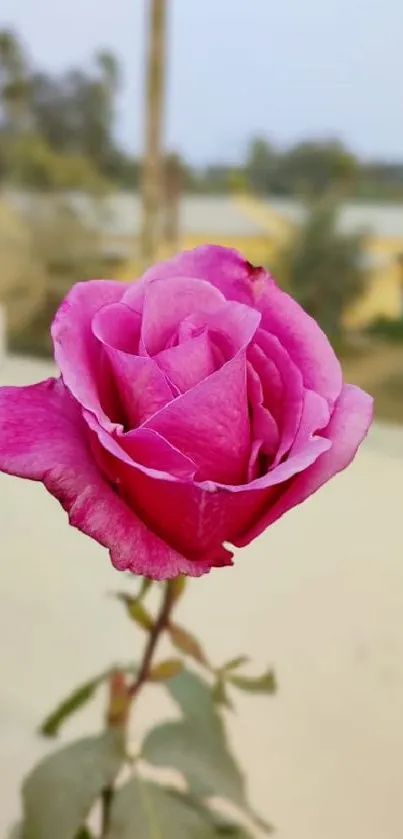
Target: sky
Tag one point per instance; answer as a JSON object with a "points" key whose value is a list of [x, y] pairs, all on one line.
{"points": [[284, 69]]}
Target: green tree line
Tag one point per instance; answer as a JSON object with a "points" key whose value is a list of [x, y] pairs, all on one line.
{"points": [[57, 131]]}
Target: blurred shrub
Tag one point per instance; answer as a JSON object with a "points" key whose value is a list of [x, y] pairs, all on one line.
{"points": [[23, 277], [323, 267], [390, 329], [59, 251]]}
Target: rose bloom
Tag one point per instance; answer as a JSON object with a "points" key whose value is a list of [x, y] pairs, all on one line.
{"points": [[194, 408]]}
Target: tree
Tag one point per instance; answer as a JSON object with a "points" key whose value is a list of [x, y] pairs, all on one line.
{"points": [[13, 95], [313, 168], [56, 131], [323, 267], [260, 165], [13, 81]]}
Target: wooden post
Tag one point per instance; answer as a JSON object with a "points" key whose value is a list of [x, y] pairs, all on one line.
{"points": [[152, 175]]}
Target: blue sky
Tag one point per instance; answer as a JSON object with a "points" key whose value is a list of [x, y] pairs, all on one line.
{"points": [[286, 69]]}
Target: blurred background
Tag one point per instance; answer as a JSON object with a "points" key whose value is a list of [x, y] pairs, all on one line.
{"points": [[133, 129]]}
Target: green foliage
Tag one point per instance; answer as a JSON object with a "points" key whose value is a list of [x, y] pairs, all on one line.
{"points": [[197, 745], [73, 703], [39, 267], [76, 700], [266, 683], [187, 644], [57, 131], [234, 663], [390, 329], [136, 611], [147, 810], [165, 670], [322, 267], [61, 790], [261, 163], [59, 795], [220, 693], [315, 168]]}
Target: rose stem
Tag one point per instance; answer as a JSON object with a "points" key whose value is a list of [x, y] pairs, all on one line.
{"points": [[159, 626]]}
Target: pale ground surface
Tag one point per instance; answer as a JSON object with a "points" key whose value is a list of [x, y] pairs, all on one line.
{"points": [[320, 596]]}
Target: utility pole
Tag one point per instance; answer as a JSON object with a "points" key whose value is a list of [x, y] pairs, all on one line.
{"points": [[152, 174]]}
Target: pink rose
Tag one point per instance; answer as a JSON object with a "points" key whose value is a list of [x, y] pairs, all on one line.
{"points": [[194, 408]]}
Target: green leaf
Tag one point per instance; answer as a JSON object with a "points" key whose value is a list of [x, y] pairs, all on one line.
{"points": [[234, 663], [184, 641], [219, 694], [166, 670], [77, 699], [84, 833], [147, 810], [266, 683], [60, 791], [197, 746], [136, 611]]}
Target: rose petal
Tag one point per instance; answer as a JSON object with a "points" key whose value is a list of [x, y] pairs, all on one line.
{"points": [[142, 386], [282, 387], [210, 422], [238, 280], [158, 481], [117, 325], [347, 428], [150, 450], [223, 267], [264, 427], [77, 352], [194, 518], [167, 303], [43, 438], [236, 323], [315, 416], [188, 363], [135, 449], [301, 336]]}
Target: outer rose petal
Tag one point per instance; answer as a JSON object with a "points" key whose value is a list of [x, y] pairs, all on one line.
{"points": [[238, 280], [77, 352], [43, 438], [347, 428], [194, 518]]}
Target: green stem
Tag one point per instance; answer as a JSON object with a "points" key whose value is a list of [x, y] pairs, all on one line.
{"points": [[106, 803], [160, 625]]}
